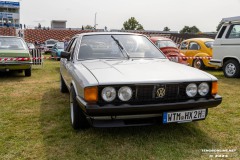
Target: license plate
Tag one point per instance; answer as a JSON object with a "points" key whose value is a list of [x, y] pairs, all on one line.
{"points": [[184, 116]]}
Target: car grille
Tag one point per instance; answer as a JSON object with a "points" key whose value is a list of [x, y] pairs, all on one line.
{"points": [[148, 94]]}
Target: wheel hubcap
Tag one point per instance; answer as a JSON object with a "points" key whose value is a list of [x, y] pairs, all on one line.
{"points": [[230, 69], [197, 64]]}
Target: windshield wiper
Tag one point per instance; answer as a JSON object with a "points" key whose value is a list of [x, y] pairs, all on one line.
{"points": [[120, 46]]}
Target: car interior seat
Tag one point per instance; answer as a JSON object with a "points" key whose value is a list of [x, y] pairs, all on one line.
{"points": [[193, 47], [85, 52]]}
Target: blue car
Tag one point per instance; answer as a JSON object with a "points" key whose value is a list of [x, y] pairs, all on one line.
{"points": [[56, 50]]}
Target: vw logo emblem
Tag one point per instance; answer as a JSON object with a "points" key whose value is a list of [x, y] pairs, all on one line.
{"points": [[160, 92]]}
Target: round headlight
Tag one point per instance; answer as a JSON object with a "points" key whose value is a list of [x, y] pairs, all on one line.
{"points": [[125, 93], [108, 94], [191, 90], [203, 89]]}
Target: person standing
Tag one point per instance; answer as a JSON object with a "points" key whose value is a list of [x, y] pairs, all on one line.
{"points": [[66, 41]]}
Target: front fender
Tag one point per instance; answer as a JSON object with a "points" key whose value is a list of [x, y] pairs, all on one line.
{"points": [[78, 89]]}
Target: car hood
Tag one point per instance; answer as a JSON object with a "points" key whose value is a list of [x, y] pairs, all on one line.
{"points": [[142, 71]]}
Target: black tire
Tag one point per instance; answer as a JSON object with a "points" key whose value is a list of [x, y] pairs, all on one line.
{"points": [[63, 86], [198, 63], [78, 119], [28, 72], [231, 68]]}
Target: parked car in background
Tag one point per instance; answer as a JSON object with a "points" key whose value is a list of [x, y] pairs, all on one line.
{"points": [[56, 50], [31, 46], [122, 79], [198, 51], [226, 47], [14, 55], [169, 48], [48, 44]]}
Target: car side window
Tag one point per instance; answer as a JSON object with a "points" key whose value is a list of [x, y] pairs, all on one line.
{"points": [[194, 46], [184, 45], [70, 48], [221, 32], [70, 44], [234, 31]]}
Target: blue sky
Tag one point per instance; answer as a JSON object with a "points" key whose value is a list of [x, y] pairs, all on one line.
{"points": [[152, 14]]}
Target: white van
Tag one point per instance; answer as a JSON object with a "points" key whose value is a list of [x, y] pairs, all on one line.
{"points": [[226, 47]]}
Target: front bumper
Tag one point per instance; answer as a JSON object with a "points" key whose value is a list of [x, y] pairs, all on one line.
{"points": [[139, 115], [216, 62]]}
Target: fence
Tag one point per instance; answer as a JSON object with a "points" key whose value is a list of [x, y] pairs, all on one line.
{"points": [[37, 57]]}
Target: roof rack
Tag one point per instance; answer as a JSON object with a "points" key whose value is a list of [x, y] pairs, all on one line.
{"points": [[231, 19]]}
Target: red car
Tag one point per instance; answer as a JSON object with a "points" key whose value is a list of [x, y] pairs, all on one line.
{"points": [[169, 48]]}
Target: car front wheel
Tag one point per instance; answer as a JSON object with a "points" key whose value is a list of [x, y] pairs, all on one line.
{"points": [[78, 119], [231, 69], [198, 63]]}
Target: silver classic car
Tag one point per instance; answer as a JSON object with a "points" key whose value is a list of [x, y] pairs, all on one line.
{"points": [[123, 79]]}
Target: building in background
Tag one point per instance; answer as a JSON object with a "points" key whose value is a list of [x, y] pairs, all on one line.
{"points": [[9, 14], [58, 24]]}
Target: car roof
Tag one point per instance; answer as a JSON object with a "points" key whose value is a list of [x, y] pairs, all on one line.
{"points": [[10, 37], [200, 39], [159, 38], [107, 33]]}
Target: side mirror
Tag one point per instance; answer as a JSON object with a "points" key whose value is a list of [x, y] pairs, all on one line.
{"points": [[65, 54]]}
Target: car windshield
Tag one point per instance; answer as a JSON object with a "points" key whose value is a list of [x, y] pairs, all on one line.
{"points": [[166, 43], [60, 45], [209, 44], [50, 42], [117, 46], [12, 43]]}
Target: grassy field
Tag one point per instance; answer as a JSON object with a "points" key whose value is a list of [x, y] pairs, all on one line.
{"points": [[35, 124]]}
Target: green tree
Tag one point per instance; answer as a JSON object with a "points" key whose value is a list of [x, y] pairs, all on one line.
{"points": [[132, 24], [88, 27], [187, 29], [166, 29], [194, 29]]}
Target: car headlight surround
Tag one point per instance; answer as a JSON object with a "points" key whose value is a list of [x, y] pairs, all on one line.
{"points": [[125, 93], [191, 90], [108, 94], [203, 89]]}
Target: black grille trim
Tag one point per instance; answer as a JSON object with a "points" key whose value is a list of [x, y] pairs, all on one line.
{"points": [[146, 93]]}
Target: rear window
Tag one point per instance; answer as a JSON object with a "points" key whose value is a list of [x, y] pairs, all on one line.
{"points": [[12, 43], [209, 44], [166, 43]]}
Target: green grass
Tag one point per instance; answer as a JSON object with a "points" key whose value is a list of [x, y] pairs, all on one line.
{"points": [[35, 124]]}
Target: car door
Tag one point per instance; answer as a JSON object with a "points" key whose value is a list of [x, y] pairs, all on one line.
{"points": [[67, 65], [193, 49]]}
